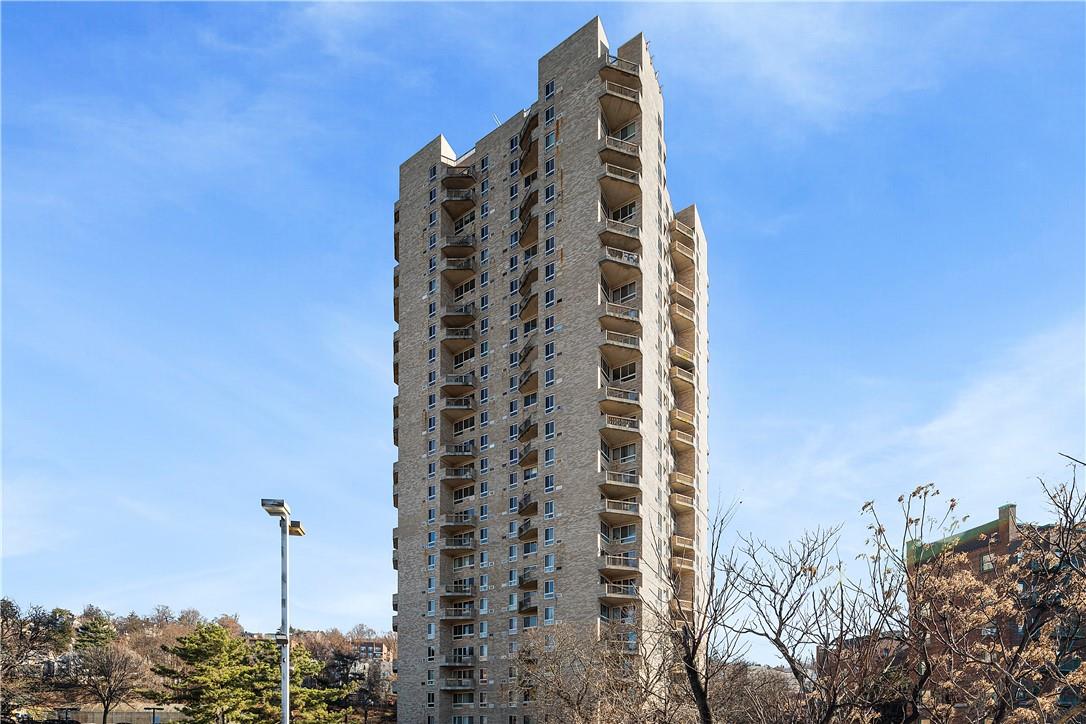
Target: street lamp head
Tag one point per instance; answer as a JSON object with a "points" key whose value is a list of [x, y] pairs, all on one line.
{"points": [[276, 507], [296, 528]]}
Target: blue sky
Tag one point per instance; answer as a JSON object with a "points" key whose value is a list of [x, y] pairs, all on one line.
{"points": [[197, 268]]}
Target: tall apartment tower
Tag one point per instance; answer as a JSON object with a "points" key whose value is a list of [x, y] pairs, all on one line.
{"points": [[551, 359]]}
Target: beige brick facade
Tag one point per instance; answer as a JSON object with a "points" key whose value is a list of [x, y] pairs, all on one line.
{"points": [[551, 358]]}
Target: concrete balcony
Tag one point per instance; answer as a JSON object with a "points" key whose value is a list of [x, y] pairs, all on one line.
{"points": [[682, 357], [619, 185], [458, 385], [458, 246], [618, 593], [683, 256], [458, 314], [624, 234], [530, 350], [681, 420], [531, 122], [527, 602], [621, 152], [682, 483], [529, 305], [682, 317], [619, 511], [617, 483], [457, 684], [457, 408], [528, 381], [621, 565], [683, 563], [529, 229], [620, 318], [395, 602], [527, 504], [459, 177], [619, 429], [458, 660], [458, 590], [528, 428], [619, 266], [682, 294], [620, 348], [680, 378], [458, 543], [395, 623], [458, 613], [619, 401], [529, 275], [458, 475], [457, 339], [528, 578], [681, 440], [458, 202], [527, 530], [456, 270], [619, 103], [531, 198], [682, 503], [457, 521], [682, 544], [529, 455], [620, 70]]}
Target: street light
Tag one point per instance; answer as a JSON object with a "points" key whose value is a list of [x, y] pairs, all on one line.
{"points": [[154, 713], [278, 508]]}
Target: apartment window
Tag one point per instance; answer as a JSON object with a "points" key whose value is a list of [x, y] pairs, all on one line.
{"points": [[548, 404], [512, 626], [514, 239], [514, 166], [484, 323], [514, 310], [549, 166], [548, 115], [431, 515], [512, 534], [548, 245], [548, 563], [548, 194], [484, 396], [548, 377], [484, 468], [514, 286], [432, 243], [513, 192], [514, 213], [548, 271], [549, 140], [433, 218], [548, 90], [430, 630], [433, 195], [548, 351], [548, 509], [484, 301], [484, 209], [484, 255], [484, 186], [484, 348], [431, 446], [484, 371], [548, 615], [548, 324], [548, 536], [529, 548], [548, 588], [548, 298], [484, 232], [431, 423], [431, 469], [514, 142], [431, 561], [512, 555], [433, 172], [431, 400], [431, 492], [431, 332], [514, 407], [530, 399], [484, 163], [430, 608], [431, 287], [986, 563], [433, 308], [548, 430], [514, 456], [549, 218], [548, 483], [484, 418], [484, 511]]}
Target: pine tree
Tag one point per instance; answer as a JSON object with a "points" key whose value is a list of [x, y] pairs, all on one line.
{"points": [[213, 681], [95, 629]]}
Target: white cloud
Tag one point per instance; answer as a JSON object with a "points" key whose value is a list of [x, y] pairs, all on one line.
{"points": [[819, 62], [984, 445]]}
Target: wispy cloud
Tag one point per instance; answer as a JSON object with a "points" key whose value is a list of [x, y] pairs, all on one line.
{"points": [[985, 444], [814, 63]]}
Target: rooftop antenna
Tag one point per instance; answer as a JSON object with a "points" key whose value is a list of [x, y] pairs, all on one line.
{"points": [[495, 117]]}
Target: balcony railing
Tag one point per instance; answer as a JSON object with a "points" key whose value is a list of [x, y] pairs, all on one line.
{"points": [[621, 562], [465, 517], [458, 473], [619, 589], [681, 374], [526, 602], [462, 241], [526, 503], [628, 507], [622, 64], [622, 395], [458, 684], [624, 340], [528, 576], [622, 227], [458, 333], [679, 500], [460, 195], [459, 589], [622, 423], [458, 660], [621, 310], [610, 253], [622, 173], [683, 438], [622, 91], [683, 229], [458, 403], [682, 542], [615, 477], [622, 146], [459, 542], [681, 480]]}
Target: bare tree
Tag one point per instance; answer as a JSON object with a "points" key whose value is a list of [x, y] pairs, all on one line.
{"points": [[111, 675]]}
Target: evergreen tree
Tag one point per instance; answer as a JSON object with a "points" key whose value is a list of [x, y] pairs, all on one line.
{"points": [[95, 629], [212, 683]]}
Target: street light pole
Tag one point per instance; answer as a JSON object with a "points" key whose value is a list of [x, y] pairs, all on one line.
{"points": [[279, 509]]}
